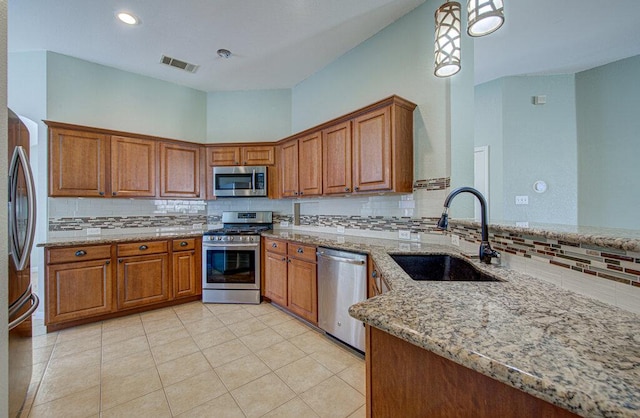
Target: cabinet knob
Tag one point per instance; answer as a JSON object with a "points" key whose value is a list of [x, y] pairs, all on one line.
{"points": [[284, 258], [143, 247], [183, 244], [80, 253], [288, 261], [274, 245], [114, 193], [301, 193], [245, 163], [346, 189], [107, 262], [300, 250], [374, 274], [237, 162], [295, 193], [356, 188], [101, 193], [119, 260]]}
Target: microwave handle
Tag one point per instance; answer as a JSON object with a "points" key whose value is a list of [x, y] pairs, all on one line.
{"points": [[253, 181]]}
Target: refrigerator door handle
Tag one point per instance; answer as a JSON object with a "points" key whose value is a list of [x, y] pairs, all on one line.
{"points": [[19, 303], [19, 158], [27, 314]]}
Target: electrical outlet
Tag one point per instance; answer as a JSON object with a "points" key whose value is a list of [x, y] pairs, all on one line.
{"points": [[522, 200], [196, 226], [523, 224], [340, 229], [94, 231], [455, 240], [404, 246], [284, 224], [404, 234]]}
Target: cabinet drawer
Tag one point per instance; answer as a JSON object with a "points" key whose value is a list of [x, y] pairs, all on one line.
{"points": [[142, 248], [184, 244], [302, 252], [84, 253], [275, 246]]}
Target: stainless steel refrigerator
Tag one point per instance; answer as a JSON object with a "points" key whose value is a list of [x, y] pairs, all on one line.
{"points": [[22, 302]]}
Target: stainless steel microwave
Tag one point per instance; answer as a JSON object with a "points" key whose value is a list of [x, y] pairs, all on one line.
{"points": [[246, 181]]}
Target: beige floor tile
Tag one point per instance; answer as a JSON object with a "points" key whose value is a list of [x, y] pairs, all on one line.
{"points": [[122, 322], [194, 313], [152, 405], [161, 314], [355, 376], [82, 331], [119, 390], [124, 348], [42, 354], [294, 408], [289, 329], [161, 324], [242, 371], [259, 310], [166, 336], [194, 391], [262, 395], [360, 413], [246, 327], [333, 398], [174, 349], [127, 365], [183, 368], [37, 372], [224, 406], [225, 353], [46, 340], [223, 308], [85, 361], [303, 374], [234, 316], [280, 354], [261, 339], [310, 342], [335, 358], [76, 346], [275, 317], [80, 404], [212, 338], [206, 325], [62, 383], [115, 335]]}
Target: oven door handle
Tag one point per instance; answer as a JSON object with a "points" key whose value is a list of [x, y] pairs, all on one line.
{"points": [[252, 246]]}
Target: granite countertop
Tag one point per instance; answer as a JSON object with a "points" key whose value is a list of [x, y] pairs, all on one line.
{"points": [[66, 241], [570, 350]]}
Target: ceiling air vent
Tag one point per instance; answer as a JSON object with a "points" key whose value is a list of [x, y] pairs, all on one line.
{"points": [[192, 68]]}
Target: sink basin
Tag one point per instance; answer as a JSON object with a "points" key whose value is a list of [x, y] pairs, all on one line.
{"points": [[439, 267]]}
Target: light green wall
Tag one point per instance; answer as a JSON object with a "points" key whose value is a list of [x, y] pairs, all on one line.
{"points": [[397, 60], [608, 115], [248, 116], [539, 142], [90, 94]]}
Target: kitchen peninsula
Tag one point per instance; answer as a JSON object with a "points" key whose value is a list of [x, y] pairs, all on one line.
{"points": [[568, 350]]}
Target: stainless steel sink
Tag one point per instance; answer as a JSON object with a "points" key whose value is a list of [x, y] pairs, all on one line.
{"points": [[440, 267]]}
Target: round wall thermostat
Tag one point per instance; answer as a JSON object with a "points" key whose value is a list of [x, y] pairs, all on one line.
{"points": [[540, 186]]}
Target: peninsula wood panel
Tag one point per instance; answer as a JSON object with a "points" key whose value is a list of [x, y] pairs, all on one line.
{"points": [[78, 163], [336, 159], [133, 167], [179, 170]]}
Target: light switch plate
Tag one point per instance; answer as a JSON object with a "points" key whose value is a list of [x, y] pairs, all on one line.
{"points": [[455, 240], [522, 200], [340, 229], [404, 234], [284, 224], [523, 224], [94, 231]]}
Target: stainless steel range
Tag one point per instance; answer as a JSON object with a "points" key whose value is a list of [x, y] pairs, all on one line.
{"points": [[231, 258]]}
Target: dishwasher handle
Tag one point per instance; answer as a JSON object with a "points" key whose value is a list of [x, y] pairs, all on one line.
{"points": [[341, 259]]}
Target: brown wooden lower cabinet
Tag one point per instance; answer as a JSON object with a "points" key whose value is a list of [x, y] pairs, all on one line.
{"points": [[94, 282], [404, 380]]}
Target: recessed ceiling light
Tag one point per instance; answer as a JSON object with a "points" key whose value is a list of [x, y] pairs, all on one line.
{"points": [[224, 53], [127, 18]]}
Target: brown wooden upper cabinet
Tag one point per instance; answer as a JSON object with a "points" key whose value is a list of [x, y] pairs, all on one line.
{"points": [[179, 170], [78, 163], [133, 167], [336, 159], [301, 166], [245, 155]]}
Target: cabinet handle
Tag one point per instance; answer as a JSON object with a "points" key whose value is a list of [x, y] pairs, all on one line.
{"points": [[301, 193], [289, 260], [284, 258], [245, 163], [80, 253], [183, 244], [143, 247], [295, 193], [101, 193], [274, 245], [356, 188], [107, 262], [346, 189], [374, 274], [300, 250], [114, 193], [237, 162], [119, 260]]}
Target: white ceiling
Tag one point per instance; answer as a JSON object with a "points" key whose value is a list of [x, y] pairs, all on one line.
{"points": [[278, 43]]}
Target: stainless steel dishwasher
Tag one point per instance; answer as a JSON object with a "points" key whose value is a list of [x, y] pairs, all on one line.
{"points": [[342, 282]]}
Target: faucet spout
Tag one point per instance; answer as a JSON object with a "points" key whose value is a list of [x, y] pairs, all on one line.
{"points": [[486, 252]]}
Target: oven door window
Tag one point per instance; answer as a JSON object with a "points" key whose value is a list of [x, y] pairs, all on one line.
{"points": [[233, 182], [231, 266]]}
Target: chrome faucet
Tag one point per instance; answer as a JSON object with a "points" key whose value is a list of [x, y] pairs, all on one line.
{"points": [[486, 252]]}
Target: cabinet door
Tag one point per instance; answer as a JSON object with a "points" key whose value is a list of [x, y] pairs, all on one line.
{"points": [[310, 165], [223, 156], [259, 155], [142, 280], [133, 167], [275, 278], [179, 170], [303, 289], [372, 151], [336, 159], [77, 163], [78, 290], [185, 277], [289, 169]]}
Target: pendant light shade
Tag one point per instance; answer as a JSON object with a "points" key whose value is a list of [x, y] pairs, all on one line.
{"points": [[485, 16], [447, 43]]}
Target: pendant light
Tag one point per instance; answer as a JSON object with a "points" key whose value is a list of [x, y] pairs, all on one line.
{"points": [[485, 16], [447, 43]]}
